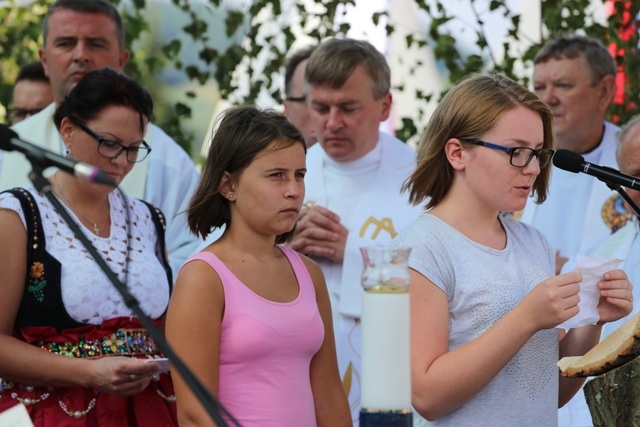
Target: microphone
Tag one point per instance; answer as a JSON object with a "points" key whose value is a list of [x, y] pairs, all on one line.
{"points": [[572, 162], [10, 141]]}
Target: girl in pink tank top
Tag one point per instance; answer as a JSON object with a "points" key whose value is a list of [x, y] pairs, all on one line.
{"points": [[250, 317]]}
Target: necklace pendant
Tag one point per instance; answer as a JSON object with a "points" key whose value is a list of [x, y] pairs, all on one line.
{"points": [[96, 229]]}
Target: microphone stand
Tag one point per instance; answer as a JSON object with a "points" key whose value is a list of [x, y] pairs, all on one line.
{"points": [[211, 404], [625, 196]]}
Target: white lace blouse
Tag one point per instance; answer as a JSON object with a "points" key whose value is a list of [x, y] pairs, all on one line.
{"points": [[88, 295]]}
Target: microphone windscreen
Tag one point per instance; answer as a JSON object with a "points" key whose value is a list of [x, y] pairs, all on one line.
{"points": [[568, 160], [6, 135]]}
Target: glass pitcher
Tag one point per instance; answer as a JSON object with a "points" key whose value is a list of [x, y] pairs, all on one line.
{"points": [[386, 269]]}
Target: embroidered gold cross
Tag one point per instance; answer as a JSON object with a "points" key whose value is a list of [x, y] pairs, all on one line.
{"points": [[385, 224]]}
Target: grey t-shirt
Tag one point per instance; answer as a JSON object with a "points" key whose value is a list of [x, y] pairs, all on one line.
{"points": [[483, 284]]}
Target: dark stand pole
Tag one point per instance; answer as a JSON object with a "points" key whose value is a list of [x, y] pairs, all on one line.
{"points": [[212, 406], [634, 207]]}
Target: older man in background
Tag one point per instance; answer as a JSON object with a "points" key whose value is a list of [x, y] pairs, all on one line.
{"points": [[575, 76], [624, 244]]}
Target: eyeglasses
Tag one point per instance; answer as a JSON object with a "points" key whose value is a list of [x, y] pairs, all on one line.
{"points": [[112, 149], [519, 157], [302, 98], [23, 113]]}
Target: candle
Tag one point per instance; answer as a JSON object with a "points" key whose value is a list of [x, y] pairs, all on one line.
{"points": [[386, 364], [386, 371]]}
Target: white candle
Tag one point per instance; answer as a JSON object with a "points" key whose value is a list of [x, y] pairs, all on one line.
{"points": [[386, 363]]}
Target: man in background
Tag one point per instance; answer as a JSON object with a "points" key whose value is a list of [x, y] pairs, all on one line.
{"points": [[353, 181], [624, 244], [81, 36], [296, 106], [575, 76], [31, 92]]}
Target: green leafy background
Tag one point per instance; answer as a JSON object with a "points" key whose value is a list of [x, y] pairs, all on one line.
{"points": [[206, 50]]}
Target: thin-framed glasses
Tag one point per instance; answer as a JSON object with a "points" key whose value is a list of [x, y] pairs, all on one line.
{"points": [[519, 157], [112, 149], [302, 98], [22, 113]]}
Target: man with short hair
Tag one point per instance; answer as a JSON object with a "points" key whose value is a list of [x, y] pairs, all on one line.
{"points": [[353, 183], [296, 107], [575, 75], [624, 244], [31, 92], [81, 36]]}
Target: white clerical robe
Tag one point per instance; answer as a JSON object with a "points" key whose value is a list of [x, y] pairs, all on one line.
{"points": [[623, 244], [166, 179], [377, 216], [592, 211]]}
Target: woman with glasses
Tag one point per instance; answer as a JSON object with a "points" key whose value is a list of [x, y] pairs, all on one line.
{"points": [[484, 298], [72, 352]]}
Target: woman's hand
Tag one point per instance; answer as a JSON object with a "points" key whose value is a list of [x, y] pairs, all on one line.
{"points": [[553, 301], [123, 376], [616, 297]]}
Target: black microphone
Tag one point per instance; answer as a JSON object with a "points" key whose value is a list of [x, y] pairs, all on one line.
{"points": [[10, 141], [572, 162]]}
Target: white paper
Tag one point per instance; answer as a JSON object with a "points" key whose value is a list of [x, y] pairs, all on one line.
{"points": [[592, 270], [162, 361], [16, 416]]}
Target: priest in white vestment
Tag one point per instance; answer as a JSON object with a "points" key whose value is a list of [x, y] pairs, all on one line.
{"points": [[624, 244], [575, 76], [353, 184]]}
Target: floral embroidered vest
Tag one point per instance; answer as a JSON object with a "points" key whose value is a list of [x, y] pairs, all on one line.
{"points": [[42, 303]]}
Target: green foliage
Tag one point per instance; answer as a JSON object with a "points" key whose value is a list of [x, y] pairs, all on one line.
{"points": [[558, 16], [20, 39], [246, 60]]}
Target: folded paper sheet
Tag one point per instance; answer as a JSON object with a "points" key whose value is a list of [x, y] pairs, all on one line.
{"points": [[592, 270]]}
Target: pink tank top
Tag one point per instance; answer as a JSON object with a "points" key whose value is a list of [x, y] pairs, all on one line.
{"points": [[266, 348]]}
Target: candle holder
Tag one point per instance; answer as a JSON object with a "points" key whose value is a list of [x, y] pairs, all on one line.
{"points": [[386, 362]]}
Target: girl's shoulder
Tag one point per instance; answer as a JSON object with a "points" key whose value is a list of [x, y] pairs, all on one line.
{"points": [[524, 233], [518, 226], [425, 225]]}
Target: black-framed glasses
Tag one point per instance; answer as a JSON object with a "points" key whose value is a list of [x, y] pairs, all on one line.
{"points": [[519, 157], [112, 149], [302, 98], [22, 113]]}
